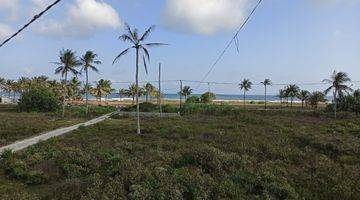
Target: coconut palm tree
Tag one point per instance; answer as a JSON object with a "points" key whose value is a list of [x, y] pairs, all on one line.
{"points": [[246, 86], [281, 95], [74, 89], [292, 92], [102, 88], [89, 60], [68, 63], [8, 87], [266, 82], [338, 82], [186, 91], [137, 42], [2, 84], [131, 92], [303, 95], [24, 84], [315, 98], [122, 92], [149, 91]]}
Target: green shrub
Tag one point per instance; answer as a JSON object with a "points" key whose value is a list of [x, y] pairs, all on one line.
{"points": [[208, 97], [193, 99], [39, 100]]}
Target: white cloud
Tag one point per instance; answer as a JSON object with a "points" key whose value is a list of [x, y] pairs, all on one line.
{"points": [[8, 8], [5, 31], [83, 18], [205, 16]]}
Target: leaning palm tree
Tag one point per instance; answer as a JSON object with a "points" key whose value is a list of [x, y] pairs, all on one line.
{"points": [[186, 91], [68, 63], [137, 42], [89, 60], [266, 82], [246, 86], [303, 95], [338, 82]]}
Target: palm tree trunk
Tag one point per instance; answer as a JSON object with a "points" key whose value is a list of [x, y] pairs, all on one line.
{"points": [[64, 96], [87, 91], [137, 92], [265, 99], [244, 99]]}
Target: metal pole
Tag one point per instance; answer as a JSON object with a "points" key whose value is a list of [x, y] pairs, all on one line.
{"points": [[160, 106]]}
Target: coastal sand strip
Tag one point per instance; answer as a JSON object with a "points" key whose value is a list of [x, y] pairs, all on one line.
{"points": [[17, 146]]}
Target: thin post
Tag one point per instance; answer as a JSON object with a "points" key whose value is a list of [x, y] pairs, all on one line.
{"points": [[160, 106], [181, 88]]}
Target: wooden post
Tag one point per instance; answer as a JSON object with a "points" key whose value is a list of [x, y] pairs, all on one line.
{"points": [[181, 88], [160, 106]]}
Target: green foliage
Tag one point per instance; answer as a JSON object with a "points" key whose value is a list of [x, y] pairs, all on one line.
{"points": [[208, 97], [39, 100], [150, 107], [348, 103], [193, 99], [228, 154]]}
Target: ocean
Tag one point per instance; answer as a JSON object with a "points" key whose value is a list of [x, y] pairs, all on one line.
{"points": [[220, 97]]}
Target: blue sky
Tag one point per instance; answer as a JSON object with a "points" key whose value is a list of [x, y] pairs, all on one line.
{"points": [[290, 41]]}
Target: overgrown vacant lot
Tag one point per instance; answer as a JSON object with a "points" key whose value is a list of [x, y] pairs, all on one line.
{"points": [[16, 126], [247, 155]]}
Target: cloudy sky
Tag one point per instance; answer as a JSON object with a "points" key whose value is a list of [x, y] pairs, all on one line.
{"points": [[295, 41]]}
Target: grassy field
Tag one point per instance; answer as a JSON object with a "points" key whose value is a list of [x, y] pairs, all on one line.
{"points": [[16, 126], [209, 154]]}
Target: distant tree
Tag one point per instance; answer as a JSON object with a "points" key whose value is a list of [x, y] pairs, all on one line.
{"points": [[8, 87], [132, 90], [208, 97], [149, 91], [2, 83], [74, 89], [68, 63], [132, 36], [186, 91], [266, 82], [338, 82], [24, 84], [122, 92], [315, 98], [102, 88], [282, 95], [245, 85], [89, 60], [292, 92], [303, 95]]}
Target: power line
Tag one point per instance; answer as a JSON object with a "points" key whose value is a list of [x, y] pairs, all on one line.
{"points": [[231, 41], [30, 22]]}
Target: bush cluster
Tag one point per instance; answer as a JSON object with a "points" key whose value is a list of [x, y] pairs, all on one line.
{"points": [[39, 100]]}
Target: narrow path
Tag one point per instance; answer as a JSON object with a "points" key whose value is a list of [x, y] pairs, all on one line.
{"points": [[17, 146]]}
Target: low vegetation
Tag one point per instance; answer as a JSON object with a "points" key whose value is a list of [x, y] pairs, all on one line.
{"points": [[16, 125], [212, 152]]}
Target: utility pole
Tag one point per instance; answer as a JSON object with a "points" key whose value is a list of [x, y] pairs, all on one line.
{"points": [[180, 93], [160, 90]]}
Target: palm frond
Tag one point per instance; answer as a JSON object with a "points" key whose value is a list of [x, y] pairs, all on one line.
{"points": [[145, 65], [147, 33], [146, 53], [121, 54]]}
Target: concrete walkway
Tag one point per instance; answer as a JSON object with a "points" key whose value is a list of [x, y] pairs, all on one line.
{"points": [[17, 146]]}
